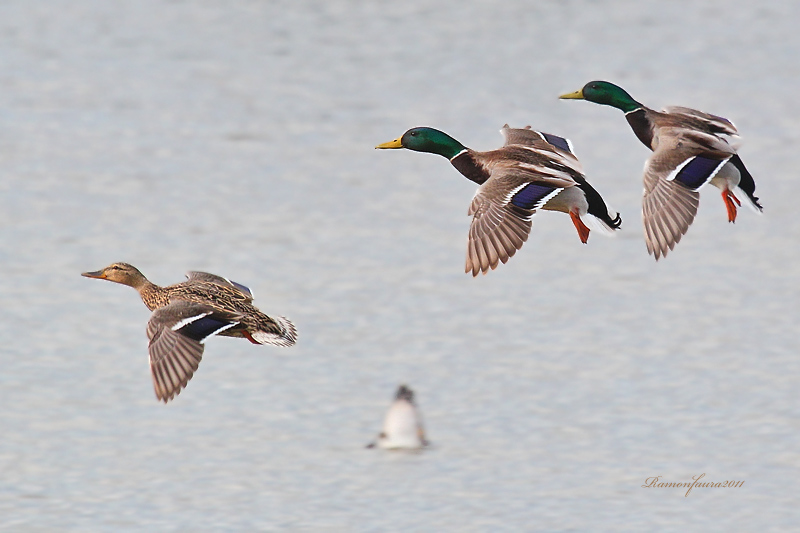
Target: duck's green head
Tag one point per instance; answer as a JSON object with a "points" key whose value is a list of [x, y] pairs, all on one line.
{"points": [[427, 140], [603, 92]]}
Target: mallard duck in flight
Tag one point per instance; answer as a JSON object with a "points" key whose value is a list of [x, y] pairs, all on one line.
{"points": [[531, 171], [187, 313], [690, 148]]}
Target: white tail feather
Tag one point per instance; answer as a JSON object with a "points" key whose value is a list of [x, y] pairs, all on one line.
{"points": [[287, 336], [741, 195]]}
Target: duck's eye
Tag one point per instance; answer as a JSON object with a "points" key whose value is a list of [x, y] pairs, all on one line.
{"points": [[413, 133]]}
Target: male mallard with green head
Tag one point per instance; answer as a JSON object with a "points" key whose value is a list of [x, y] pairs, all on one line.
{"points": [[186, 314], [690, 148], [532, 171]]}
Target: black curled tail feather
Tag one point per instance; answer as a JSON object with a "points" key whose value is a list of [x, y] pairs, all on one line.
{"points": [[616, 222], [597, 206], [746, 182]]}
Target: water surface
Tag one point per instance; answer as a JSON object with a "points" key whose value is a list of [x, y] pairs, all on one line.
{"points": [[238, 138]]}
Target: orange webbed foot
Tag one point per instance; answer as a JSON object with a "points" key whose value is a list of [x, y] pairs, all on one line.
{"points": [[730, 204], [583, 231]]}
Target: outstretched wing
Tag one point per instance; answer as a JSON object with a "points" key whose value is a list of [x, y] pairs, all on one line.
{"points": [[496, 233], [177, 332], [685, 159], [668, 209], [502, 209]]}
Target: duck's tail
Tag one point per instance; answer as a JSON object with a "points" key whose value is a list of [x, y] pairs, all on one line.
{"points": [[747, 184], [279, 332], [599, 216]]}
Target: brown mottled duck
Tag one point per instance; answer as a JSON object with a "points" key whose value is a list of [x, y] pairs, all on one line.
{"points": [[187, 313]]}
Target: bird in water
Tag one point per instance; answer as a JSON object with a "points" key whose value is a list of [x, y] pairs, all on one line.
{"points": [[402, 427], [530, 172], [690, 148], [187, 313]]}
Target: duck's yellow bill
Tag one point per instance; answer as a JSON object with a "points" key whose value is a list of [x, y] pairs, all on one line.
{"points": [[391, 144], [97, 275], [577, 95]]}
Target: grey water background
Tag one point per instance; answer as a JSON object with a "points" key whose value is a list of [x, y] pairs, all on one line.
{"points": [[237, 138]]}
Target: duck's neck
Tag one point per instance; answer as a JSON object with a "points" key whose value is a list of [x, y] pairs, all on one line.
{"points": [[642, 125], [438, 142], [617, 97], [636, 114], [152, 295], [626, 105], [470, 167]]}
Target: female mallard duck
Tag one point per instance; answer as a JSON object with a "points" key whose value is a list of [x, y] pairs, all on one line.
{"points": [[532, 171], [690, 148], [402, 427], [186, 314]]}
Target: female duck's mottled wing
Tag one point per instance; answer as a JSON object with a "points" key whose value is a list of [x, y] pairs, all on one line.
{"points": [[502, 209], [219, 280], [176, 334]]}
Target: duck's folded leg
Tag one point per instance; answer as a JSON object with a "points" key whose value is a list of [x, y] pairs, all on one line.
{"points": [[729, 198]]}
